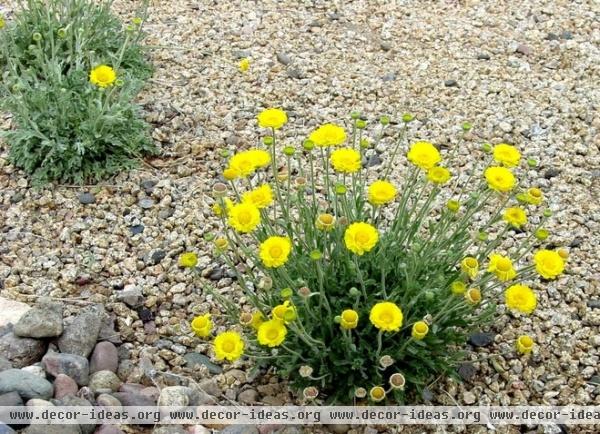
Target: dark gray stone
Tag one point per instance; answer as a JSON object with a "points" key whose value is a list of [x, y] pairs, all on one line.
{"points": [[483, 56], [566, 35], [21, 352], [26, 384], [16, 198], [389, 77], [594, 304], [375, 160], [148, 185], [295, 73], [576, 243], [551, 173], [196, 359], [74, 401], [80, 336], [75, 366], [137, 229], [86, 198], [157, 256], [284, 58], [451, 83], [42, 321], [551, 37], [481, 339], [427, 395], [466, 371]]}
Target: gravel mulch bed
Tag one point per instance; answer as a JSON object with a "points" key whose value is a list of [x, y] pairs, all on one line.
{"points": [[520, 72]]}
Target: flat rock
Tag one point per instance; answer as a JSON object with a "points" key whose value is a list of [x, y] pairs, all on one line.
{"points": [[72, 365], [105, 357], [179, 396], [106, 400], [43, 321], [25, 384], [80, 336], [481, 339], [12, 311], [86, 198], [11, 399], [196, 359], [19, 351]]}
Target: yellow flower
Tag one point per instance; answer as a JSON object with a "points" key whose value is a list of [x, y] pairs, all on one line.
{"points": [[438, 175], [419, 330], [221, 244], [507, 155], [231, 173], [458, 287], [103, 76], [453, 205], [502, 267], [188, 260], [242, 163], [259, 157], [470, 266], [521, 298], [275, 251], [271, 333], [260, 197], [228, 346], [381, 192], [500, 179], [2, 22], [534, 196], [257, 319], [202, 325], [244, 64], [424, 155], [386, 316], [325, 222], [473, 296], [524, 344], [244, 217], [285, 312], [218, 209], [345, 160], [328, 135], [349, 319], [377, 393], [515, 217], [548, 264], [272, 118], [360, 238]]}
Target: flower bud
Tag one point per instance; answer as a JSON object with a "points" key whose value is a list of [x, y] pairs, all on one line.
{"points": [[286, 293], [360, 392], [531, 162], [315, 255], [224, 153], [355, 115], [482, 236], [308, 145], [360, 124], [37, 37], [221, 244], [473, 296], [300, 182], [563, 253], [310, 392], [453, 205], [486, 147], [407, 117], [337, 319], [304, 292], [289, 151], [119, 82], [219, 189], [386, 361], [384, 120], [541, 234], [466, 126], [266, 283], [246, 318], [364, 143], [340, 189], [137, 21], [377, 393], [547, 213], [268, 140], [325, 222], [61, 33], [305, 371], [354, 292], [397, 381]]}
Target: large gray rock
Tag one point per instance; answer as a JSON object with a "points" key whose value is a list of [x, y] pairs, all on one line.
{"points": [[72, 365], [12, 311], [43, 321], [21, 352], [105, 380], [104, 358], [75, 401], [11, 399], [80, 336], [26, 384]]}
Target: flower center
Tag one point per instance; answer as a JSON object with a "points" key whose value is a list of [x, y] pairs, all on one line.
{"points": [[503, 264], [244, 217], [362, 237], [386, 317], [421, 328], [228, 347], [272, 334], [471, 263], [275, 251], [349, 316]]}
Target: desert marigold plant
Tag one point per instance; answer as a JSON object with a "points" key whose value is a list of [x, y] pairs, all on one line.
{"points": [[364, 284]]}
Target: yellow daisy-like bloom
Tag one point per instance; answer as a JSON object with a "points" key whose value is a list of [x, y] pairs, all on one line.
{"points": [[419, 330], [275, 251], [260, 197], [500, 179], [473, 296], [228, 346], [438, 175], [507, 155], [218, 209], [230, 174], [285, 312], [470, 266], [349, 319], [360, 238], [345, 160], [453, 205], [377, 393], [271, 333], [534, 196], [424, 155], [2, 22], [458, 287], [202, 325], [243, 164], [328, 135], [515, 217], [188, 260], [103, 76], [548, 264], [524, 344], [244, 64], [520, 298], [244, 217], [272, 118], [260, 157], [381, 192], [221, 244], [257, 319], [386, 316], [325, 222], [502, 267]]}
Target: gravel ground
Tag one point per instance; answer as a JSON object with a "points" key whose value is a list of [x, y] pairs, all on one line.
{"points": [[520, 72]]}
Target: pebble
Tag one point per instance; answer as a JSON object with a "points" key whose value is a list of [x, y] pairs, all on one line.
{"points": [[5, 429], [53, 429], [12, 311], [469, 398], [466, 370], [179, 396], [108, 429], [80, 336], [451, 83], [194, 359], [146, 203], [483, 56], [136, 229], [240, 429], [295, 73], [523, 49], [481, 339], [43, 321], [157, 256], [21, 352], [72, 365], [105, 357], [26, 384], [86, 198], [283, 58], [248, 396], [551, 173], [63, 386], [134, 399], [169, 429], [105, 380], [131, 296], [5, 364], [385, 45]]}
